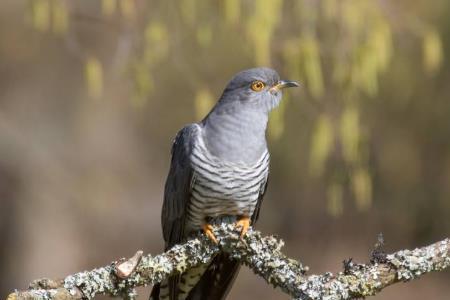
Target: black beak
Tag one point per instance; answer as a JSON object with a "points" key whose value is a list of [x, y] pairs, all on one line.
{"points": [[285, 84]]}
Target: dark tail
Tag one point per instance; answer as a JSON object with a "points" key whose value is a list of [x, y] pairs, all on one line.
{"points": [[214, 284], [155, 292], [217, 280]]}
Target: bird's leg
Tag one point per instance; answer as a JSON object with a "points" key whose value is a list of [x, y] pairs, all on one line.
{"points": [[244, 224], [208, 230]]}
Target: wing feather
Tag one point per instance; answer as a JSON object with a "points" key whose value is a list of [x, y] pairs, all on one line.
{"points": [[177, 194], [178, 188]]}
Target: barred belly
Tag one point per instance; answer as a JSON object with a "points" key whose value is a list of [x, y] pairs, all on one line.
{"points": [[221, 188]]}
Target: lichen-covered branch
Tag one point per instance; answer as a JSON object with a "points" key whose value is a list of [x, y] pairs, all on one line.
{"points": [[261, 254]]}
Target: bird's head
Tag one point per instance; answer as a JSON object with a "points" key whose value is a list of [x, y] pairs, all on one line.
{"points": [[258, 88]]}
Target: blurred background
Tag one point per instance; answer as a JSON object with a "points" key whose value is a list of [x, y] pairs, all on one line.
{"points": [[93, 92]]}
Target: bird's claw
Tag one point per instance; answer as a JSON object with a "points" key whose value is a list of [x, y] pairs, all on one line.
{"points": [[244, 224], [208, 230]]}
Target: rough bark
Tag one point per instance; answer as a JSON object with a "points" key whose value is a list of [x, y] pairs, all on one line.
{"points": [[261, 254]]}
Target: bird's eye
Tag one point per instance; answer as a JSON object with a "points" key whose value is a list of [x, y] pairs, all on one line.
{"points": [[257, 85]]}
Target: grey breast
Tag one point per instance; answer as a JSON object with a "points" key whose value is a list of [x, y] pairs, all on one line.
{"points": [[223, 188]]}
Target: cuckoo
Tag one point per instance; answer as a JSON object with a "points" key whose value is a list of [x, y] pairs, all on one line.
{"points": [[219, 167]]}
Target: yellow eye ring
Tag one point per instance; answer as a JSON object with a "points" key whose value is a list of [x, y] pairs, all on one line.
{"points": [[257, 85]]}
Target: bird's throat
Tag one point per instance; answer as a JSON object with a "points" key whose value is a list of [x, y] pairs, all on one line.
{"points": [[237, 137]]}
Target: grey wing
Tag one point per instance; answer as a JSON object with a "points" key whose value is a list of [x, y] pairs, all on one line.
{"points": [[178, 186], [177, 194]]}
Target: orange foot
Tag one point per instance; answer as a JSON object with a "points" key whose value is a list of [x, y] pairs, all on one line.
{"points": [[243, 223], [208, 230]]}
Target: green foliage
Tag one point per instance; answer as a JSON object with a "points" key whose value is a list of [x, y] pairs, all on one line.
{"points": [[40, 13], [232, 11], [335, 203], [432, 51], [339, 50], [156, 43], [322, 144], [203, 102], [109, 7], [260, 26], [94, 77], [349, 130], [49, 15]]}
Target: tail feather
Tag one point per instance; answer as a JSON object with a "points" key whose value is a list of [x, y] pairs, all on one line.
{"points": [[214, 284], [155, 292], [165, 290], [217, 280]]}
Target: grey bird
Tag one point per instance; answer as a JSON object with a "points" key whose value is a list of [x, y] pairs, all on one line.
{"points": [[219, 167]]}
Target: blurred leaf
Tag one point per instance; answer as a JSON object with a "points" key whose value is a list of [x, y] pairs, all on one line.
{"points": [[204, 101], [188, 10], [291, 56], [321, 145], [232, 9], [128, 8], [40, 10], [364, 72], [260, 27], [144, 84], [312, 66], [432, 51], [109, 7], [380, 41], [59, 16], [350, 133], [330, 8], [94, 77], [341, 73], [362, 188], [353, 16], [335, 205], [308, 12], [204, 35], [156, 42]]}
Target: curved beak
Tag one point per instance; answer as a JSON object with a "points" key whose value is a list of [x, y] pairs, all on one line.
{"points": [[284, 84]]}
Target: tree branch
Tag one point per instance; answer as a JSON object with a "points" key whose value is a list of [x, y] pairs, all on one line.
{"points": [[261, 254]]}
